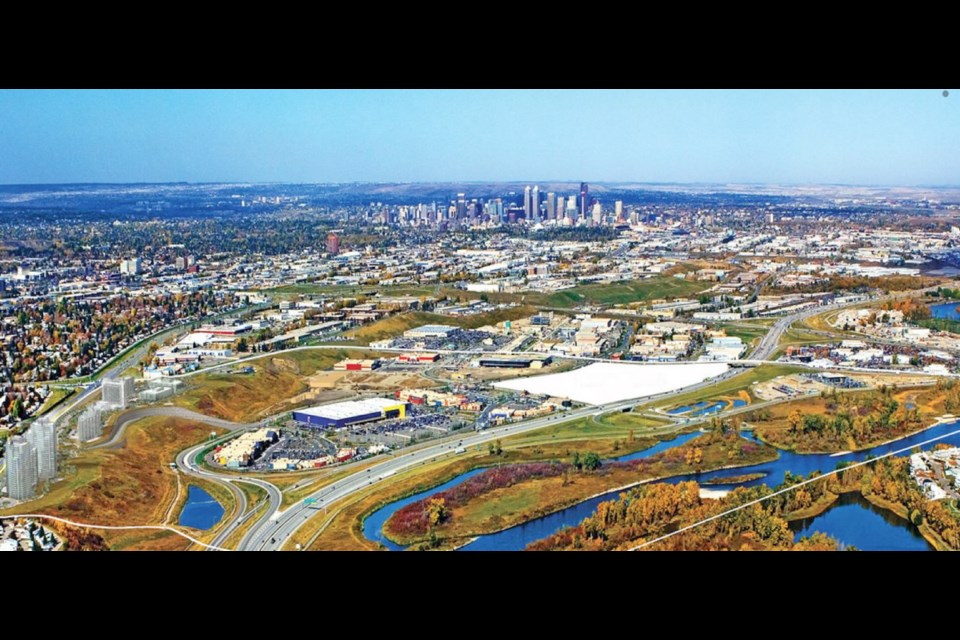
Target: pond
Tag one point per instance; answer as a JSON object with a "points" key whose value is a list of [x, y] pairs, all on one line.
{"points": [[201, 511]]}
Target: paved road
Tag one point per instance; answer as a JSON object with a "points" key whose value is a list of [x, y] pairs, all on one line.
{"points": [[274, 527], [274, 530], [271, 532], [187, 466], [186, 463], [132, 415]]}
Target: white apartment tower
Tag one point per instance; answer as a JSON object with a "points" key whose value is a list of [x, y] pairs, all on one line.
{"points": [[43, 436], [90, 423], [118, 392], [21, 469]]}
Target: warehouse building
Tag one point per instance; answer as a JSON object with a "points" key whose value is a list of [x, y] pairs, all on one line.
{"points": [[344, 414], [356, 365], [418, 358], [431, 331], [515, 362]]}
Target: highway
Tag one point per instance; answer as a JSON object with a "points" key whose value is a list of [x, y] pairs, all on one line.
{"points": [[186, 463], [272, 531], [132, 415], [274, 527]]}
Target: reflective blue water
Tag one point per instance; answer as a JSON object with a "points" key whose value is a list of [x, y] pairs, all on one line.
{"points": [[854, 521], [517, 538], [705, 408], [688, 407], [373, 525], [657, 448], [946, 310], [201, 511]]}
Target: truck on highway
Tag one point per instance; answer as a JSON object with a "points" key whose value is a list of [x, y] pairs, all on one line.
{"points": [[460, 450]]}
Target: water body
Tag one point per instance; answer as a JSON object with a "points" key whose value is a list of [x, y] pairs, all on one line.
{"points": [[946, 310], [854, 521], [201, 511], [373, 525], [706, 408], [688, 407], [518, 537]]}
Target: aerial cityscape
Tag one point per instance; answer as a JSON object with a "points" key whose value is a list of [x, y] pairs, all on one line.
{"points": [[352, 321]]}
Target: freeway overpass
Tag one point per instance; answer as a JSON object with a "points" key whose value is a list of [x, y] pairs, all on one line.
{"points": [[272, 531], [275, 527]]}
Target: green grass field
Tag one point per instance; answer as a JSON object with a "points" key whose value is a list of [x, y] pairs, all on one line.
{"points": [[746, 333], [606, 427], [393, 326], [618, 292], [57, 395]]}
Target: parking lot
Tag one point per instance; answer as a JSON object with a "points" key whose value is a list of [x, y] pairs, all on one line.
{"points": [[419, 424], [462, 340], [297, 443]]}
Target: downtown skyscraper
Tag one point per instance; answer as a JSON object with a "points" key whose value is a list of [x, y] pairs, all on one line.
{"points": [[584, 200]]}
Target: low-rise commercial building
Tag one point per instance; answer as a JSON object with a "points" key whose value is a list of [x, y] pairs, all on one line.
{"points": [[345, 414]]}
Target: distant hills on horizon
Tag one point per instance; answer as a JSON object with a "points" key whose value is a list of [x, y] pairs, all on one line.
{"points": [[148, 197]]}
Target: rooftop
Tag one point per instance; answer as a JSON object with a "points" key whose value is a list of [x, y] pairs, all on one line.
{"points": [[350, 408]]}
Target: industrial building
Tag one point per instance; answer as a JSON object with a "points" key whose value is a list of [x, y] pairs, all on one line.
{"points": [[430, 331], [344, 414], [21, 468], [119, 392], [160, 389], [356, 365], [515, 362], [224, 330], [43, 436], [418, 358]]}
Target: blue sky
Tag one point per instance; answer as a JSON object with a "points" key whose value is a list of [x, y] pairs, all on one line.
{"points": [[853, 137]]}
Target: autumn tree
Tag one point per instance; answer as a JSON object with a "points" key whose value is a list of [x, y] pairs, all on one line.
{"points": [[795, 419], [436, 511]]}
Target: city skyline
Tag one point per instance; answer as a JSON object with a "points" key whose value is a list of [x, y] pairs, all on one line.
{"points": [[319, 136]]}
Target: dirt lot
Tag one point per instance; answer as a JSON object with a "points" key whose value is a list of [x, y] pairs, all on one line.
{"points": [[352, 381], [804, 386]]}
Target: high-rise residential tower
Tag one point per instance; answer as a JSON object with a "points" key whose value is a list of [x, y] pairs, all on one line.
{"points": [[21, 468], [43, 436], [118, 392]]}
